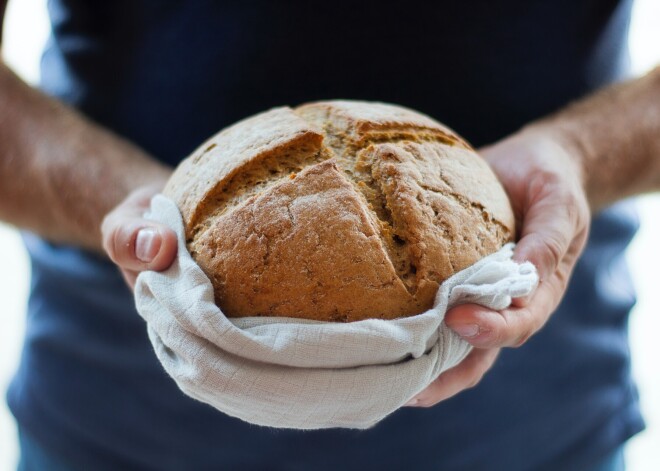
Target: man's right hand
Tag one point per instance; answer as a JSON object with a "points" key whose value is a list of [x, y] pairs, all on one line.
{"points": [[134, 243]]}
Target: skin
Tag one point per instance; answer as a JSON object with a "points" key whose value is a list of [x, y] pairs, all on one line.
{"points": [[556, 171], [54, 161]]}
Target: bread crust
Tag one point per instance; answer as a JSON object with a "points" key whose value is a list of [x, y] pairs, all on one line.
{"points": [[337, 211]]}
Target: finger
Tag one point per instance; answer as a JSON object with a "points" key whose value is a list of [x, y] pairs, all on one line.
{"points": [[141, 198], [565, 267], [511, 327], [465, 375], [545, 237], [137, 244], [551, 223]]}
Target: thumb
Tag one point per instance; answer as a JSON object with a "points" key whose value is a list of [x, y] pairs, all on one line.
{"points": [[137, 244]]}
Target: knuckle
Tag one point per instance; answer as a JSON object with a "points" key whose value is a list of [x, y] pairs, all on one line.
{"points": [[574, 203], [120, 238], [534, 317], [575, 210], [544, 181], [497, 337], [521, 339], [111, 243], [525, 334], [559, 283], [553, 251], [530, 322], [140, 198], [107, 227]]}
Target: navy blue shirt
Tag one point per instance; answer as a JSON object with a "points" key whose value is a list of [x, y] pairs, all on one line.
{"points": [[168, 74]]}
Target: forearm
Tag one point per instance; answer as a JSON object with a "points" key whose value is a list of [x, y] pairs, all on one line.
{"points": [[615, 135], [60, 173]]}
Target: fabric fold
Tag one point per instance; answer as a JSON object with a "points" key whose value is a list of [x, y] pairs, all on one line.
{"points": [[293, 373]]}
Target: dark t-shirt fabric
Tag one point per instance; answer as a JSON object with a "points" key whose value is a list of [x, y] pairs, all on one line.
{"points": [[168, 74]]}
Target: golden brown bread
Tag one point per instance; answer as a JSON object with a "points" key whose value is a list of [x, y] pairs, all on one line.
{"points": [[337, 211]]}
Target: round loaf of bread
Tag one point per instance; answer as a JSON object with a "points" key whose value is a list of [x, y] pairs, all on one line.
{"points": [[337, 211]]}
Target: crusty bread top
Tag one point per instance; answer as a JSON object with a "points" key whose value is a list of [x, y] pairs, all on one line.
{"points": [[200, 180], [337, 211]]}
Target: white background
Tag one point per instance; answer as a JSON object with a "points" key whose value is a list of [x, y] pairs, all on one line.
{"points": [[26, 28]]}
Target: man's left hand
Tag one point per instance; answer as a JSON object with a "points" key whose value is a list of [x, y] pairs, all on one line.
{"points": [[544, 182]]}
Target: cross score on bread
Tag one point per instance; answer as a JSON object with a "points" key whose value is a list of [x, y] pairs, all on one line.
{"points": [[337, 211]]}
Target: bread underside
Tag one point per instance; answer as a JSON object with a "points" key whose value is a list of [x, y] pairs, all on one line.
{"points": [[337, 211]]}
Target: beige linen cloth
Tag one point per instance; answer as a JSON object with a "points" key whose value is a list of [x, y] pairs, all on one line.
{"points": [[292, 373]]}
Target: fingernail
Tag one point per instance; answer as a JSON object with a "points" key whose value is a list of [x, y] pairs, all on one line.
{"points": [[147, 244], [411, 403], [467, 330]]}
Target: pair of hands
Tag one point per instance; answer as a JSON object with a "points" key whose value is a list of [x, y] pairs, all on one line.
{"points": [[545, 185]]}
